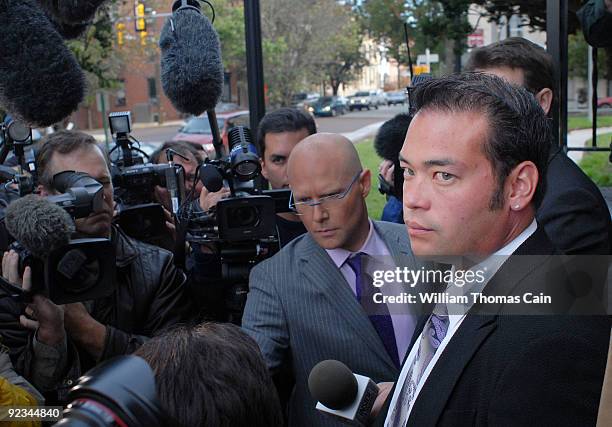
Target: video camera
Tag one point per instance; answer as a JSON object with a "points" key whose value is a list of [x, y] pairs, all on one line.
{"points": [[140, 216], [15, 136], [240, 229]]}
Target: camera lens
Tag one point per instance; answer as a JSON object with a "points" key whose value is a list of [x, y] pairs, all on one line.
{"points": [[243, 217]]}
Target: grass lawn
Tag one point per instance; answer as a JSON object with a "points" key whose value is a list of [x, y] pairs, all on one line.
{"points": [[597, 165], [370, 160], [583, 122]]}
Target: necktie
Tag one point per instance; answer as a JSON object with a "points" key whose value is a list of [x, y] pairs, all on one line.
{"points": [[382, 319], [433, 333]]}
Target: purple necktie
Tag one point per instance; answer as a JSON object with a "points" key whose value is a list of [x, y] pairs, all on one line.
{"points": [[382, 320]]}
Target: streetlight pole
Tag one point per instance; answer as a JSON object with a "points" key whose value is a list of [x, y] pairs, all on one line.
{"points": [[255, 75]]}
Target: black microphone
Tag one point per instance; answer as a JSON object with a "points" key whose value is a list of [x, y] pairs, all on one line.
{"points": [[71, 12], [39, 225], [191, 67], [54, 87], [211, 178], [342, 394]]}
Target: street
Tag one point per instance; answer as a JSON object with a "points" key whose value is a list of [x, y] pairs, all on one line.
{"points": [[347, 123]]}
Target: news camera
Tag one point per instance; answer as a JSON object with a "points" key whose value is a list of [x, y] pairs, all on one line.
{"points": [[135, 179], [16, 136], [240, 229]]}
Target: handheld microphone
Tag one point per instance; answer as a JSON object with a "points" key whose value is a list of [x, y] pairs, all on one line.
{"points": [[211, 178], [39, 225], [28, 41], [340, 393], [191, 67]]}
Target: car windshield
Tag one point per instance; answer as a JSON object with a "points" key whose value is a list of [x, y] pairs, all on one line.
{"points": [[362, 94], [200, 125], [325, 100]]}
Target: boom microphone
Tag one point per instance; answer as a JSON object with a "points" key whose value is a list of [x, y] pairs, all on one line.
{"points": [[340, 393], [39, 225], [71, 11], [42, 82], [191, 67]]}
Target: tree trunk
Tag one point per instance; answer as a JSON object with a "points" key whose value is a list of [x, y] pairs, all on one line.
{"points": [[399, 77], [335, 84]]}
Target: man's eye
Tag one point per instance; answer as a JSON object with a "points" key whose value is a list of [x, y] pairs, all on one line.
{"points": [[444, 176], [408, 172]]}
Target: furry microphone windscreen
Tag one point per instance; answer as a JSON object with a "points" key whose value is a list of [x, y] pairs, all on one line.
{"points": [[191, 68], [39, 225], [41, 82], [71, 12]]}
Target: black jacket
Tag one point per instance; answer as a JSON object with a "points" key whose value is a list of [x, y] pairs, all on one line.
{"points": [[517, 370], [573, 211], [149, 297]]}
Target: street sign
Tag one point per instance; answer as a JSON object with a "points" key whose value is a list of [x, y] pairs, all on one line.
{"points": [[433, 58], [476, 39], [420, 69]]}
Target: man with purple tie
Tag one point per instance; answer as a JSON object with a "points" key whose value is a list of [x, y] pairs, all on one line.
{"points": [[315, 299]]}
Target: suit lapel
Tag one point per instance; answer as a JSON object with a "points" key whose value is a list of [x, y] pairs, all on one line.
{"points": [[436, 391], [320, 270]]}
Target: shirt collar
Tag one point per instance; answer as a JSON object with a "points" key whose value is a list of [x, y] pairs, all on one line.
{"points": [[372, 242]]}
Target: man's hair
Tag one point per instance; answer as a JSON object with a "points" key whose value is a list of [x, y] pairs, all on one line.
{"points": [[182, 147], [283, 120], [390, 137], [517, 52], [61, 142], [518, 131], [212, 375]]}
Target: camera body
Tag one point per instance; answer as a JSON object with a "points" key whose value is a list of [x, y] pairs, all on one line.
{"points": [[140, 216], [82, 270]]}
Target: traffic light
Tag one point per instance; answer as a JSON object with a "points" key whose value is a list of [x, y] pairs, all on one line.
{"points": [[143, 38], [141, 24], [120, 30]]}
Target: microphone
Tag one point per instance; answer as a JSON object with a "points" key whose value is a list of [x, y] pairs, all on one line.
{"points": [[71, 12], [191, 67], [39, 225], [340, 393], [28, 41], [211, 178]]}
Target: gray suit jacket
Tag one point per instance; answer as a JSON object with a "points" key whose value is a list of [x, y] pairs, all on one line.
{"points": [[301, 310]]}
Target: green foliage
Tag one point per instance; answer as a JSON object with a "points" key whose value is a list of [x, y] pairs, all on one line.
{"points": [[229, 23], [578, 51], [583, 122], [597, 165]]}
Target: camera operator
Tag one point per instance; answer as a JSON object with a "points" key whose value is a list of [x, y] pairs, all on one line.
{"points": [[149, 294], [277, 135], [222, 371]]}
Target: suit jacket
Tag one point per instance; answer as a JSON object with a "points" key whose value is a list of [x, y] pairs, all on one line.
{"points": [[517, 370], [573, 211], [300, 310]]}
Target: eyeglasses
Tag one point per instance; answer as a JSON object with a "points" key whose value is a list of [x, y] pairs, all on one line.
{"points": [[305, 206]]}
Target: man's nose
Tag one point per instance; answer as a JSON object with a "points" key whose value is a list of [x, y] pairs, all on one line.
{"points": [[415, 194]]}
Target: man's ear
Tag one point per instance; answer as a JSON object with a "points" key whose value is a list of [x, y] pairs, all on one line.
{"points": [[523, 183], [545, 98], [366, 182], [41, 190]]}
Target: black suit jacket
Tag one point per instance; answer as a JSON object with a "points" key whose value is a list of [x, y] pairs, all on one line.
{"points": [[517, 370], [573, 211]]}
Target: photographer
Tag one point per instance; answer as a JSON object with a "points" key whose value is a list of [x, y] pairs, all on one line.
{"points": [[278, 133], [149, 294]]}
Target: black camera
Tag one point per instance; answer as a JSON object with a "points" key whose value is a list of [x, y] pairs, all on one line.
{"points": [[80, 195], [119, 392], [140, 216], [16, 136], [82, 270]]}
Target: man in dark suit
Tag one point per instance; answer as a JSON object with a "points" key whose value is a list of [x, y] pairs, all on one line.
{"points": [[573, 211], [307, 303], [470, 197]]}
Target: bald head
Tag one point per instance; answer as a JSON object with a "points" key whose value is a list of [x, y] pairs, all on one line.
{"points": [[326, 150]]}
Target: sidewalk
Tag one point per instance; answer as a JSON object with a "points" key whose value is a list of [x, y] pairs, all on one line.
{"points": [[578, 138]]}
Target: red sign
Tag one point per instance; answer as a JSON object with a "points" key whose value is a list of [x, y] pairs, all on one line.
{"points": [[476, 39]]}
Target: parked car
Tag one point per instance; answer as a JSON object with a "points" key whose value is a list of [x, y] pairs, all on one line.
{"points": [[197, 129], [604, 102], [303, 99], [398, 97], [360, 100], [377, 98], [328, 106]]}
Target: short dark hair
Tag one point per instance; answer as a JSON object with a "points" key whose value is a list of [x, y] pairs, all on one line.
{"points": [[212, 374], [518, 130], [62, 142], [517, 52], [390, 137], [283, 120], [182, 147]]}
